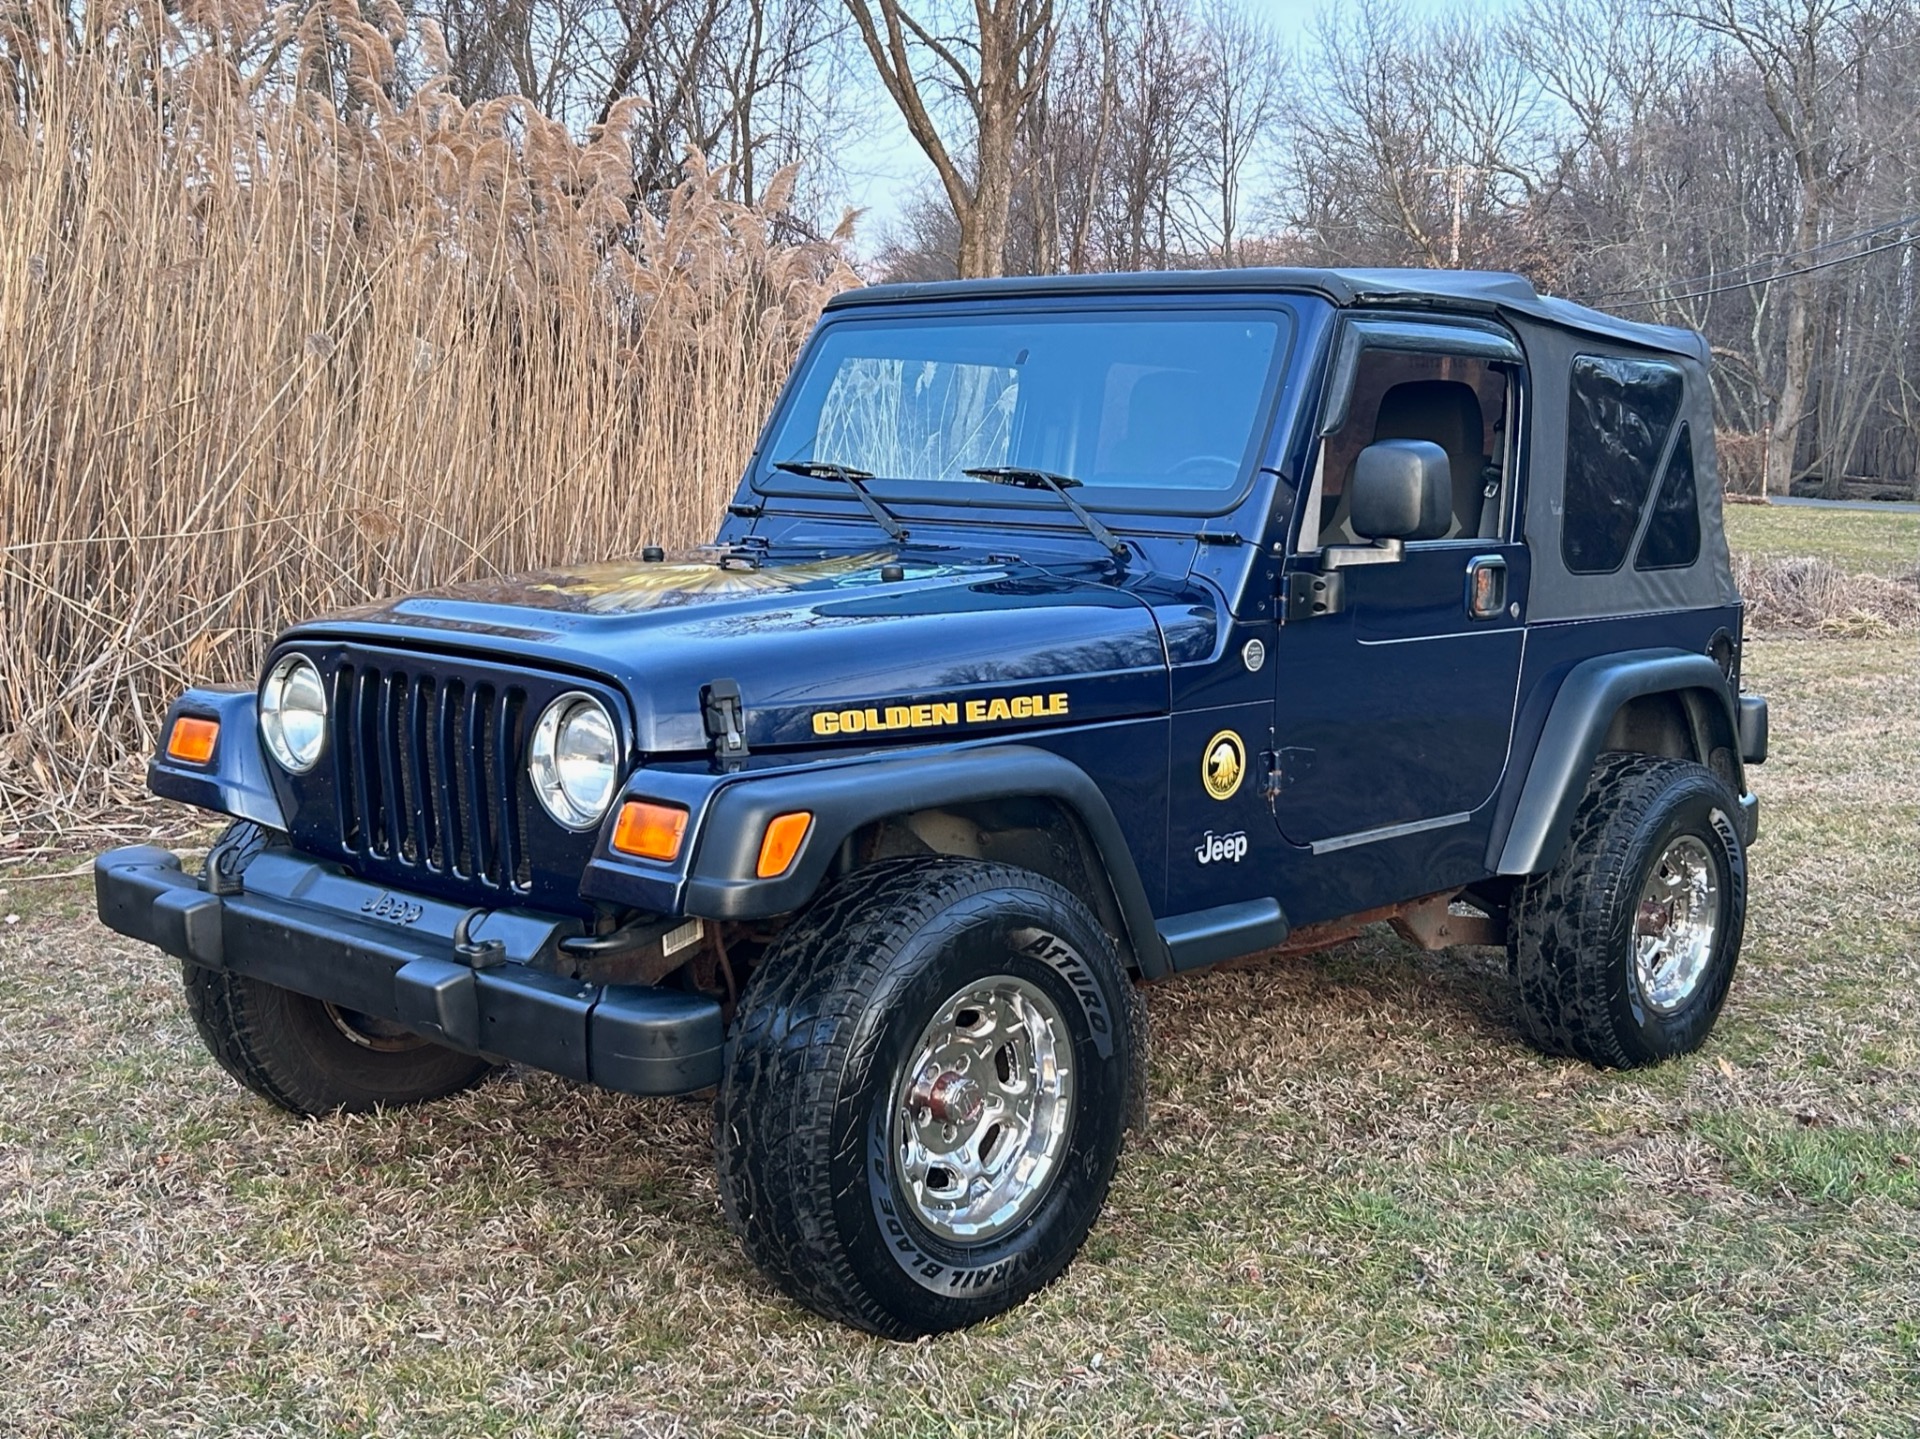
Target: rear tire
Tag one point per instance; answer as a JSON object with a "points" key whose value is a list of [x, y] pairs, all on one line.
{"points": [[925, 1095], [1623, 952]]}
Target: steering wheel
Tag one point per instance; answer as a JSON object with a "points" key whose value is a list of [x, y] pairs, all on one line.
{"points": [[1197, 462]]}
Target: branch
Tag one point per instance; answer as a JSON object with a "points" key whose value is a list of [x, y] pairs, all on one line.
{"points": [[894, 62]]}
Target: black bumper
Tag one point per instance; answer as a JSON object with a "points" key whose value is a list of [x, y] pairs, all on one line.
{"points": [[311, 928]]}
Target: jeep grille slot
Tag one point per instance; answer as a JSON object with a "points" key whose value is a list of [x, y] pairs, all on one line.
{"points": [[427, 775]]}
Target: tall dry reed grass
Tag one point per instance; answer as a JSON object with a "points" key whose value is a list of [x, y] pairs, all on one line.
{"points": [[272, 341]]}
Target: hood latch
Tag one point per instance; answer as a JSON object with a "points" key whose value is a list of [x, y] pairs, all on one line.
{"points": [[725, 715]]}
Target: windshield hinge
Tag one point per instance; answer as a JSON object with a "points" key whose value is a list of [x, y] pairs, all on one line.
{"points": [[725, 716], [1309, 595]]}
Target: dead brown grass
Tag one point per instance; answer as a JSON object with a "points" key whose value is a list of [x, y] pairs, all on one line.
{"points": [[279, 338], [1806, 594], [1361, 1207]]}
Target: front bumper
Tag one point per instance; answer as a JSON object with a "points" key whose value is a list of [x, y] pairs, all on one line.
{"points": [[311, 928]]}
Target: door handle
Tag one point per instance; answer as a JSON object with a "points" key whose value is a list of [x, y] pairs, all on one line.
{"points": [[1486, 587]]}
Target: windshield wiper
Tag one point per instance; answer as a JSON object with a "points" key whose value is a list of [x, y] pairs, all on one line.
{"points": [[854, 480], [1028, 479]]}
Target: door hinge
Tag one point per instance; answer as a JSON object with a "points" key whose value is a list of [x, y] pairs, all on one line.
{"points": [[1310, 595], [726, 719], [1285, 768]]}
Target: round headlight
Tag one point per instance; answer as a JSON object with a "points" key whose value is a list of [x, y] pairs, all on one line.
{"points": [[574, 762], [293, 713]]}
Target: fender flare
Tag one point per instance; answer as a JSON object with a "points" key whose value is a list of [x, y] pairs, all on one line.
{"points": [[844, 797], [1584, 706], [237, 783]]}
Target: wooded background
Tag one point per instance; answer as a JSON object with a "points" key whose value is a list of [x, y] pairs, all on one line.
{"points": [[307, 303], [1750, 168]]}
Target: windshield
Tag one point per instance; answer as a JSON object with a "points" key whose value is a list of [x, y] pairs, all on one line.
{"points": [[1134, 401]]}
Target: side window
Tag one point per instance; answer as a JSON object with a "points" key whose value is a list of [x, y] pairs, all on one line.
{"points": [[1672, 541], [1619, 414], [1459, 403]]}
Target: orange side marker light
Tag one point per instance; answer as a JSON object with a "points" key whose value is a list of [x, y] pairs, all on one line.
{"points": [[781, 843], [193, 739], [650, 831]]}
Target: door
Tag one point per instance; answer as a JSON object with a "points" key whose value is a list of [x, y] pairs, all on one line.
{"points": [[1395, 700]]}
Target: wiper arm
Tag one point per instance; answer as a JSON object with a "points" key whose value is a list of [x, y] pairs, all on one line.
{"points": [[1028, 479], [854, 480]]}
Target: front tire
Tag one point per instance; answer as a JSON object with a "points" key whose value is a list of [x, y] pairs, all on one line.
{"points": [[925, 1095], [1622, 954], [312, 1058], [299, 1053]]}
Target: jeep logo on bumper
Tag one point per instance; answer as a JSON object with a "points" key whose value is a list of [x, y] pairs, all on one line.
{"points": [[392, 908]]}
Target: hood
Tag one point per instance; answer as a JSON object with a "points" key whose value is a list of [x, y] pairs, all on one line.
{"points": [[826, 650]]}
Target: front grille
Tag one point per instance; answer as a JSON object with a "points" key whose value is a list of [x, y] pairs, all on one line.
{"points": [[426, 775]]}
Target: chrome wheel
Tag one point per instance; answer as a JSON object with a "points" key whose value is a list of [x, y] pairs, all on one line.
{"points": [[1675, 924], [982, 1109]]}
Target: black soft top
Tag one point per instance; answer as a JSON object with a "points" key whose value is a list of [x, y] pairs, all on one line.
{"points": [[1554, 334], [1472, 291]]}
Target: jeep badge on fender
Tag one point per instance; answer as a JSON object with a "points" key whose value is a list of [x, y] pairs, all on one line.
{"points": [[1222, 848], [1065, 635]]}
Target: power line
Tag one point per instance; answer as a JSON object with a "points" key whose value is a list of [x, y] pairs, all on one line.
{"points": [[1767, 279], [1720, 276]]}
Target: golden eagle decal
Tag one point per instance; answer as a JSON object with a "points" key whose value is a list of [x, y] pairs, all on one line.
{"points": [[1224, 764]]}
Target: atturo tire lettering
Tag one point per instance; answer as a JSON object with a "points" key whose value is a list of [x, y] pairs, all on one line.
{"points": [[1048, 949]]}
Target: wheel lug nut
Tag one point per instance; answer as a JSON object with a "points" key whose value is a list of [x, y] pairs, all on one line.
{"points": [[954, 1099]]}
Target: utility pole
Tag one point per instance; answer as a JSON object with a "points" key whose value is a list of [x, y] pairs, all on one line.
{"points": [[1457, 184], [1459, 175]]}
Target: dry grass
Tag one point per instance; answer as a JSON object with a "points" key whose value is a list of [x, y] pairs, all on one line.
{"points": [[271, 350], [1362, 1206], [1807, 594]]}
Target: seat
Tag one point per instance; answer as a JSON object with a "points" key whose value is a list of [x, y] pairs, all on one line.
{"points": [[1447, 412]]}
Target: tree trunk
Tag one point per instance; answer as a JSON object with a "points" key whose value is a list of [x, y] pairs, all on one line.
{"points": [[983, 228], [1783, 435]]}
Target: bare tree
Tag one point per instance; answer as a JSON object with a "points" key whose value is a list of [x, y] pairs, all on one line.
{"points": [[1420, 145], [1814, 60], [987, 62], [741, 81], [1240, 106], [1068, 139]]}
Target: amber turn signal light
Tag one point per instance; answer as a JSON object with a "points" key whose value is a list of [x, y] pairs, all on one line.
{"points": [[785, 834], [650, 831], [193, 739]]}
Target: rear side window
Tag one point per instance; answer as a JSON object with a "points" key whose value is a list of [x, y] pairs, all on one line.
{"points": [[1619, 413], [1672, 541]]}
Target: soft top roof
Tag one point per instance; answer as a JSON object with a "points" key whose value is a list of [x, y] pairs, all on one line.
{"points": [[1473, 291]]}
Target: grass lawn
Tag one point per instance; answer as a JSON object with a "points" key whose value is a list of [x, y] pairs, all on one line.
{"points": [[1882, 544], [1362, 1205]]}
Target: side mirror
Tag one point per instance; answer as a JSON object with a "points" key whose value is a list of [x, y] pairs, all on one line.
{"points": [[1402, 490]]}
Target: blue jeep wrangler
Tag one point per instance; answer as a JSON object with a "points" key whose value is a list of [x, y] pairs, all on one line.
{"points": [[1063, 634]]}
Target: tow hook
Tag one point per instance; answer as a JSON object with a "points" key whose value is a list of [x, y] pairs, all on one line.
{"points": [[477, 953]]}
